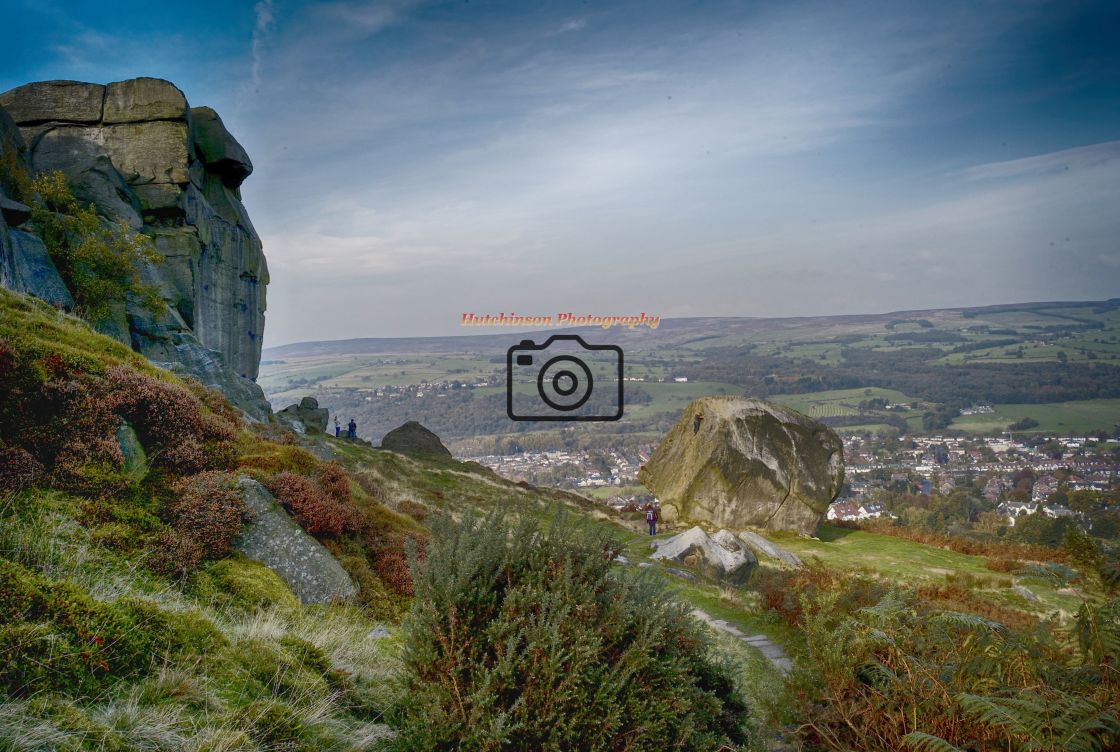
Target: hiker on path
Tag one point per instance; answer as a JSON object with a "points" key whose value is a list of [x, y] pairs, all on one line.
{"points": [[337, 427], [352, 429], [651, 519]]}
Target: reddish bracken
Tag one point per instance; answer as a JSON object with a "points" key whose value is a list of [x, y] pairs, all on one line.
{"points": [[174, 554], [172, 423], [18, 469], [334, 481], [209, 509], [315, 512]]}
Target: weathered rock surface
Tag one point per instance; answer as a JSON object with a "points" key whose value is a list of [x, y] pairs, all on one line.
{"points": [[413, 438], [217, 149], [67, 101], [31, 270], [763, 547], [721, 557], [275, 540], [134, 150], [307, 415], [738, 462]]}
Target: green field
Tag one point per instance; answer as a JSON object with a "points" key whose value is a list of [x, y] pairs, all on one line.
{"points": [[1062, 417], [903, 560], [840, 402]]}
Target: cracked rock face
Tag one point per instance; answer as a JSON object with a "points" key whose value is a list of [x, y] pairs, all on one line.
{"points": [[139, 153], [738, 462]]}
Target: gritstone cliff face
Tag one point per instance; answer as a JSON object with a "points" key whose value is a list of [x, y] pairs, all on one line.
{"points": [[739, 463], [138, 152]]}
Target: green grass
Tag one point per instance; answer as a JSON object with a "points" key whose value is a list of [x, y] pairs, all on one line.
{"points": [[1077, 417], [902, 560], [840, 402]]}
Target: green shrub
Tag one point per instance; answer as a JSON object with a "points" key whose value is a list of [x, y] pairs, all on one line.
{"points": [[531, 641], [99, 261]]}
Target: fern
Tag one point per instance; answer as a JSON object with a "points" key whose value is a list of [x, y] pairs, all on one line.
{"points": [[1054, 722], [919, 741], [1097, 628]]}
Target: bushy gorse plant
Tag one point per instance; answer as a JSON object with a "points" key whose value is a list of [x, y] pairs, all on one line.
{"points": [[522, 639]]}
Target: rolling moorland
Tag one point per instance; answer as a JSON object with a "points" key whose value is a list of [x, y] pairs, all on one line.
{"points": [[132, 623], [1057, 364]]}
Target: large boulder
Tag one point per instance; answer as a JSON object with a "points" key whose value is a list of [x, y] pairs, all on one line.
{"points": [[132, 150], [721, 557], [306, 416], [412, 438], [275, 540], [738, 462]]}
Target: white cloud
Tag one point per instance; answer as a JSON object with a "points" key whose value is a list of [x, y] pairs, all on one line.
{"points": [[574, 24], [1077, 158], [265, 19]]}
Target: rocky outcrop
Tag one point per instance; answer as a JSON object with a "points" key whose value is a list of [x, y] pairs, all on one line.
{"points": [[139, 153], [275, 540], [721, 557], [413, 438], [738, 462], [306, 416]]}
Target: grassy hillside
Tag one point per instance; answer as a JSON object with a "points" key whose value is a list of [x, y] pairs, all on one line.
{"points": [[130, 622]]}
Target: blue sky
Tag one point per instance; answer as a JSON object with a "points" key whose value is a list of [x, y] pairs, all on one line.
{"points": [[417, 160]]}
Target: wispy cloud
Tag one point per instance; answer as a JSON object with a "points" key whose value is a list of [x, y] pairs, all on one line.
{"points": [[1077, 158], [574, 24], [263, 11]]}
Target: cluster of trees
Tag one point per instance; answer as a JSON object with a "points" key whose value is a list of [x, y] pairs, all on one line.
{"points": [[965, 512]]}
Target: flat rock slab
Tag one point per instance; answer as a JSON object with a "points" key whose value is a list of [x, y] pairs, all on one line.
{"points": [[275, 540], [770, 650], [765, 547]]}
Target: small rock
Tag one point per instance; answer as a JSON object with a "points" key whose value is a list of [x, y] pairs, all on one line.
{"points": [[378, 632], [1026, 593], [760, 545], [721, 557], [307, 415]]}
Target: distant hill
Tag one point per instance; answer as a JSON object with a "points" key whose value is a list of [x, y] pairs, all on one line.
{"points": [[1057, 363], [691, 330]]}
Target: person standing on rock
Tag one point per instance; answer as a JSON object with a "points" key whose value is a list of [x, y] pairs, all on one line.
{"points": [[651, 519], [337, 427], [351, 430]]}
